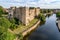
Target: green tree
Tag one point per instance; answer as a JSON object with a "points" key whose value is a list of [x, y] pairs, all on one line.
{"points": [[41, 17], [13, 25], [4, 25], [5, 22], [1, 10], [58, 14]]}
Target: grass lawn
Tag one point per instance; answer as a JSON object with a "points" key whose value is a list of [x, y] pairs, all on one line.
{"points": [[21, 28]]}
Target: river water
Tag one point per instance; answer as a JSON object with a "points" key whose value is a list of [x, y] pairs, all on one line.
{"points": [[47, 31]]}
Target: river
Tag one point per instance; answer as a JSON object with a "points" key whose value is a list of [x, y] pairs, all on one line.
{"points": [[47, 31]]}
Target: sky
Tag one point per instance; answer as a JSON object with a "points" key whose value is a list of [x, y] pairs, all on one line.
{"points": [[34, 3]]}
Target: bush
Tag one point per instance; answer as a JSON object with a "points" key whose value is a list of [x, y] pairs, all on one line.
{"points": [[10, 36], [41, 17], [12, 20], [20, 36], [13, 26]]}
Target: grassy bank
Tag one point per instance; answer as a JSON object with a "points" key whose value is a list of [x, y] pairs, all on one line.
{"points": [[22, 28]]}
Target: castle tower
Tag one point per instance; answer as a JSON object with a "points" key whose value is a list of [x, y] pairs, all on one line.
{"points": [[26, 14]]}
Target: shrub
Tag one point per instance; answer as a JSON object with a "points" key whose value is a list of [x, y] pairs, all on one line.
{"points": [[12, 20], [10, 36], [13, 26], [20, 36]]}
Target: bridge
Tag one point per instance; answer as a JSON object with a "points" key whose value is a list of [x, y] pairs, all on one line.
{"points": [[49, 10]]}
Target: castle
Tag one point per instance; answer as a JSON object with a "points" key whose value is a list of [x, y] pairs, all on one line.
{"points": [[24, 14]]}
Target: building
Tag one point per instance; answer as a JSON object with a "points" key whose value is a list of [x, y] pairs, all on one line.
{"points": [[10, 12], [25, 14]]}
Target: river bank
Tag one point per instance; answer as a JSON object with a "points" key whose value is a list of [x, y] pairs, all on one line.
{"points": [[46, 31], [26, 32], [32, 28]]}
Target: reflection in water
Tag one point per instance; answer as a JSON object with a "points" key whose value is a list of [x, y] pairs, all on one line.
{"points": [[42, 23], [48, 15], [47, 31]]}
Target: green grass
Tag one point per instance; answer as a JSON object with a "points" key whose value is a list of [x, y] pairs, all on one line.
{"points": [[21, 28]]}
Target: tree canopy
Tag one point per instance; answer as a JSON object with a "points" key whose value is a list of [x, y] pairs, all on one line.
{"points": [[1, 10], [4, 25]]}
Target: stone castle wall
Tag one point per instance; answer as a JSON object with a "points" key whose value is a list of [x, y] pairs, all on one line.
{"points": [[26, 14]]}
